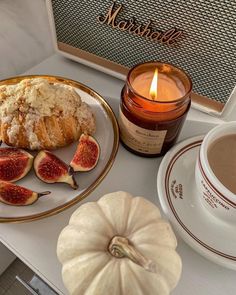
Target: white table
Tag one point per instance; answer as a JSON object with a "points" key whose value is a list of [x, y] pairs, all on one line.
{"points": [[35, 242]]}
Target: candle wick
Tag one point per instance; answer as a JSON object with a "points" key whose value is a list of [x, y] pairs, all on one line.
{"points": [[154, 95]]}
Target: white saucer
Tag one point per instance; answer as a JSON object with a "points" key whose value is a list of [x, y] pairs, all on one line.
{"points": [[178, 195]]}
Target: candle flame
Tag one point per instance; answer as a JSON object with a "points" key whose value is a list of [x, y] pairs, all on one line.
{"points": [[153, 88]]}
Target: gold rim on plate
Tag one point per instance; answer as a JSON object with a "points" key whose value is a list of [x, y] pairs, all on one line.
{"points": [[107, 167]]}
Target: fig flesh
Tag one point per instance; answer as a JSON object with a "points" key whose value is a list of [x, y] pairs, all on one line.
{"points": [[12, 194], [14, 164], [50, 169], [86, 155]]}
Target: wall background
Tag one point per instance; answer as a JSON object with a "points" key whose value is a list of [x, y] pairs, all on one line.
{"points": [[25, 38]]}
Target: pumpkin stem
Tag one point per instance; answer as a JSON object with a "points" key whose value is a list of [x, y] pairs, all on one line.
{"points": [[121, 247]]}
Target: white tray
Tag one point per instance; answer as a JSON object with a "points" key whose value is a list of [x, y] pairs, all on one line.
{"points": [[35, 242]]}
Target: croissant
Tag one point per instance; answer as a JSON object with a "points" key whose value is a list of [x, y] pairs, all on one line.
{"points": [[36, 114]]}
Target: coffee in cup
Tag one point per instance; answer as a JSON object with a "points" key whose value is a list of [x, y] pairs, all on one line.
{"points": [[221, 156], [215, 172]]}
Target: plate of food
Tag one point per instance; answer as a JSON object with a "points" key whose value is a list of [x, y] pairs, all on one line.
{"points": [[59, 139]]}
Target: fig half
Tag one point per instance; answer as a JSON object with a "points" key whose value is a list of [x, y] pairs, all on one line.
{"points": [[50, 169], [86, 155], [12, 194], [14, 164]]}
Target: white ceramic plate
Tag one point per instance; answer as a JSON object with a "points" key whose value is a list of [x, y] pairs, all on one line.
{"points": [[62, 196], [179, 198]]}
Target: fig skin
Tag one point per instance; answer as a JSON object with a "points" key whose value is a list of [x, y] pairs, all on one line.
{"points": [[50, 169], [15, 195], [14, 163], [87, 154]]}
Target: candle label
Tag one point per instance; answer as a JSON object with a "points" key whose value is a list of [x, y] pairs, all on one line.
{"points": [[140, 139]]}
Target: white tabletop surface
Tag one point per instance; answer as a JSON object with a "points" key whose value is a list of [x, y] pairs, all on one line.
{"points": [[35, 242]]}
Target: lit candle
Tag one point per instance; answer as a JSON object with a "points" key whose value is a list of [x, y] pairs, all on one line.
{"points": [[158, 87], [153, 88], [154, 104]]}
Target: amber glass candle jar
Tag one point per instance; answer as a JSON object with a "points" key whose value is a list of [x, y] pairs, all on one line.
{"points": [[154, 104]]}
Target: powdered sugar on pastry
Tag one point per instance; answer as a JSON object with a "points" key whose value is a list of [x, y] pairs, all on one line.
{"points": [[39, 97], [13, 130], [85, 117], [27, 102], [46, 98]]}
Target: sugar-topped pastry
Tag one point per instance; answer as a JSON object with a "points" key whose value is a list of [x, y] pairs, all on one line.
{"points": [[37, 114]]}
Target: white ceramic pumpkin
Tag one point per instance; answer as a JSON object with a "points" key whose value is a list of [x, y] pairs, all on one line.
{"points": [[119, 245]]}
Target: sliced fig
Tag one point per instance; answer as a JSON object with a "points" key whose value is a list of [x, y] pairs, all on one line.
{"points": [[14, 164], [12, 194], [50, 169], [86, 155]]}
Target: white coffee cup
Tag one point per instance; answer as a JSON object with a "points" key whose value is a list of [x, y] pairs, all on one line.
{"points": [[214, 196]]}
